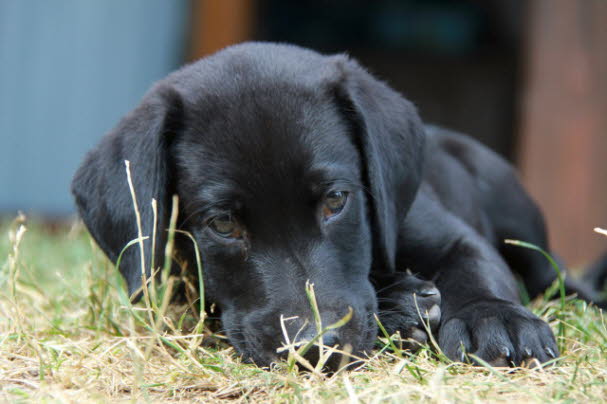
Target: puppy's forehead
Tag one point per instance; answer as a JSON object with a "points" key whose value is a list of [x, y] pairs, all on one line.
{"points": [[270, 138]]}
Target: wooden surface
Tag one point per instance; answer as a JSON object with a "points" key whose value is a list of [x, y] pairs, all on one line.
{"points": [[219, 23], [563, 147]]}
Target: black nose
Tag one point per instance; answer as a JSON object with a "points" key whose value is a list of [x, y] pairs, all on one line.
{"points": [[332, 363]]}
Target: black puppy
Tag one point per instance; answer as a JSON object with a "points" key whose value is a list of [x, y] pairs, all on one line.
{"points": [[292, 166]]}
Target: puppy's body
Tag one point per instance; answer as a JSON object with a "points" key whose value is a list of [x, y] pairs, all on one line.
{"points": [[292, 167]]}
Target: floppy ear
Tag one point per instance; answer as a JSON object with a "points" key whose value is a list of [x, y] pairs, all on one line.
{"points": [[102, 193], [390, 136]]}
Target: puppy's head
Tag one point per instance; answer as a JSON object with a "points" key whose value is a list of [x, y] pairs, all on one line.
{"points": [[290, 167]]}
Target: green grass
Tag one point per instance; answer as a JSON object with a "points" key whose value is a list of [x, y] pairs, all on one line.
{"points": [[68, 334]]}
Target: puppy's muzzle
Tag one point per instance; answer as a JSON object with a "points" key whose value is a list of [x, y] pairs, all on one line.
{"points": [[329, 351], [332, 348]]}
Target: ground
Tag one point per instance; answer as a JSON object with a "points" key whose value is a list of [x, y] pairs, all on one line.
{"points": [[67, 334]]}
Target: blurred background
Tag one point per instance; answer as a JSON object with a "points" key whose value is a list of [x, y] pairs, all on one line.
{"points": [[526, 77]]}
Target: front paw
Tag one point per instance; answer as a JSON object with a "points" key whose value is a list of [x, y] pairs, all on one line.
{"points": [[411, 307], [499, 332]]}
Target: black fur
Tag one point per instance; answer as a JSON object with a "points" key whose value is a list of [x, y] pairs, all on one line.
{"points": [[264, 133]]}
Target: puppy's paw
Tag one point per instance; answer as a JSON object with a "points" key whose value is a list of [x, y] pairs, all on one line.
{"points": [[498, 332], [411, 307]]}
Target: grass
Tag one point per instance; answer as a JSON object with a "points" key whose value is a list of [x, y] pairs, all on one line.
{"points": [[69, 334]]}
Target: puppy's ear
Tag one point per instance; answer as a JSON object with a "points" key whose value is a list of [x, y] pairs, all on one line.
{"points": [[101, 189], [390, 136]]}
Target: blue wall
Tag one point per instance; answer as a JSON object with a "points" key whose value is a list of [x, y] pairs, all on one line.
{"points": [[69, 69]]}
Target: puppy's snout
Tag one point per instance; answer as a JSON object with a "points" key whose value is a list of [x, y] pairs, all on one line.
{"points": [[320, 352], [346, 332], [308, 333], [326, 350]]}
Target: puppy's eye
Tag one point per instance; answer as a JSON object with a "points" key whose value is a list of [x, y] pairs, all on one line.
{"points": [[226, 226], [334, 203]]}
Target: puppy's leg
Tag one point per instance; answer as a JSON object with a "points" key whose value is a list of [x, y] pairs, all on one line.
{"points": [[516, 216], [596, 274], [409, 306], [480, 307]]}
